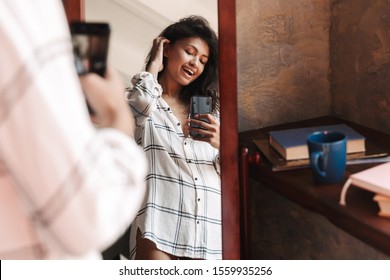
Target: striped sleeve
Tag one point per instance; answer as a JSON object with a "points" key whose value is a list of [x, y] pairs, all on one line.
{"points": [[143, 95]]}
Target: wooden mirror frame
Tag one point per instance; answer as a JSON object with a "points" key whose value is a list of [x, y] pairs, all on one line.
{"points": [[229, 120]]}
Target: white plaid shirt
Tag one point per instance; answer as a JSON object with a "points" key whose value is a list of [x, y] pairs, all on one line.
{"points": [[66, 189], [182, 210]]}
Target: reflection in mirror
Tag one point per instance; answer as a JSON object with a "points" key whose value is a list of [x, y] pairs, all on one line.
{"points": [[182, 213], [135, 23]]}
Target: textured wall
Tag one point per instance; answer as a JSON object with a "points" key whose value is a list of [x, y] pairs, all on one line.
{"points": [[360, 61], [283, 61]]}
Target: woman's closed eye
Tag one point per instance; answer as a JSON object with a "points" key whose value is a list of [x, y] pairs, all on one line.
{"points": [[190, 53], [203, 61]]}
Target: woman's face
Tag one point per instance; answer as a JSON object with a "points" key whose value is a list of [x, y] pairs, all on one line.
{"points": [[186, 59]]}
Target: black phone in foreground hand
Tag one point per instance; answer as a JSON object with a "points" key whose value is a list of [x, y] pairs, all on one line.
{"points": [[199, 105], [90, 46]]}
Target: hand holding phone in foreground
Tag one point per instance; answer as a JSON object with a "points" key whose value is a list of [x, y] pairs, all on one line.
{"points": [[105, 96], [90, 46], [90, 42], [205, 128]]}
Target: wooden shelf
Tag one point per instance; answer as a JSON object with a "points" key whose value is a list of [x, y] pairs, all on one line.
{"points": [[359, 217]]}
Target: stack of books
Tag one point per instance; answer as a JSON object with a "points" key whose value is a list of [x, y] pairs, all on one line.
{"points": [[287, 149], [291, 143]]}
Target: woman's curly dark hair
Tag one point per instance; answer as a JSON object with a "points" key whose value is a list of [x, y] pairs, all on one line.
{"points": [[207, 84]]}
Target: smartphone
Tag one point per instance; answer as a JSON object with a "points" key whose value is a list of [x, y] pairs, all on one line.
{"points": [[199, 105], [90, 46]]}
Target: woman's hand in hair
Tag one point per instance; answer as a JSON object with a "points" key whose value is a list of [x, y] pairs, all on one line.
{"points": [[156, 65], [209, 130]]}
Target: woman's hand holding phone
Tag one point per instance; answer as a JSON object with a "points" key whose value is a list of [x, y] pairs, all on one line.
{"points": [[209, 129], [102, 85]]}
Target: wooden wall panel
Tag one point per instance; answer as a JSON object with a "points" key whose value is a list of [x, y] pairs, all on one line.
{"points": [[229, 135], [74, 9]]}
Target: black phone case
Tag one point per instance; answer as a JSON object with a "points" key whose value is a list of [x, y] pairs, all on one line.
{"points": [[199, 105], [90, 46]]}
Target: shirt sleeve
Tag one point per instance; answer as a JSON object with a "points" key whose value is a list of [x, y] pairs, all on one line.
{"points": [[79, 187], [142, 97]]}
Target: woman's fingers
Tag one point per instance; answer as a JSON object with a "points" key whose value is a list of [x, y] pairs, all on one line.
{"points": [[209, 130], [157, 56]]}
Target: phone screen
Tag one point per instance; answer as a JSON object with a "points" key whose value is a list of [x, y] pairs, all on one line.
{"points": [[90, 46], [199, 105]]}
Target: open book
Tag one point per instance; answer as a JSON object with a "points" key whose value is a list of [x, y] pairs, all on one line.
{"points": [[375, 179]]}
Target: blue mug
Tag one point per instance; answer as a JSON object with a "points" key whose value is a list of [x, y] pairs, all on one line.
{"points": [[328, 155]]}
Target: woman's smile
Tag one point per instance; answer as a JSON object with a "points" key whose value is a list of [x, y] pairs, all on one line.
{"points": [[189, 71]]}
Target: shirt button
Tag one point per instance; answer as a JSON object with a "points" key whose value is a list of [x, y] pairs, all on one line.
{"points": [[196, 179], [189, 161], [198, 199], [197, 222], [178, 124]]}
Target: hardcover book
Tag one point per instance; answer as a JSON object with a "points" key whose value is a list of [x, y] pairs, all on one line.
{"points": [[291, 143], [375, 179], [372, 154]]}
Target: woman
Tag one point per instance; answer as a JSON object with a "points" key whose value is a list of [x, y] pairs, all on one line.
{"points": [[181, 217]]}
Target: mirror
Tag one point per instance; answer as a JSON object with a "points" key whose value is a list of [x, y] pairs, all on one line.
{"points": [[229, 120]]}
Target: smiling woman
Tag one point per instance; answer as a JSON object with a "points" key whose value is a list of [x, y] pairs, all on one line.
{"points": [[179, 218], [228, 103]]}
